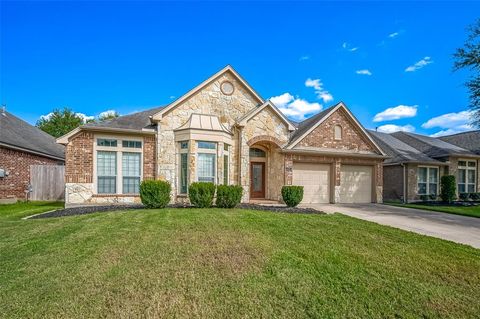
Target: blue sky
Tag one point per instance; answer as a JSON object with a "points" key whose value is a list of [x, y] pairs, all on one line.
{"points": [[126, 56]]}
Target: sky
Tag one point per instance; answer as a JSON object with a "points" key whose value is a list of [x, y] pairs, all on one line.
{"points": [[389, 62]]}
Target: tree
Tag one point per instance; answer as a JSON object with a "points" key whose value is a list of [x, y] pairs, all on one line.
{"points": [[60, 122], [108, 115], [469, 57]]}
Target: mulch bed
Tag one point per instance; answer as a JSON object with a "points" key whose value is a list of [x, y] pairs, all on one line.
{"points": [[97, 209], [456, 203]]}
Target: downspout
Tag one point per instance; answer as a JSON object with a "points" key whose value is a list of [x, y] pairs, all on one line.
{"points": [[404, 183]]}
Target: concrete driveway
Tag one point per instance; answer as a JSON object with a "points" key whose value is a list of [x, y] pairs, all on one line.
{"points": [[460, 229]]}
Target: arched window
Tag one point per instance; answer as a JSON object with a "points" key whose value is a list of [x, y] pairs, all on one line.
{"points": [[338, 132], [256, 152]]}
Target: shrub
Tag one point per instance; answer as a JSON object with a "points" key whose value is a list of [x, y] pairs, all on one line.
{"points": [[292, 195], [155, 194], [423, 198], [228, 196], [463, 196], [448, 188], [475, 196], [432, 196], [201, 194]]}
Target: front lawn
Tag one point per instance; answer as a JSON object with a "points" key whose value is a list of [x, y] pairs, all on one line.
{"points": [[215, 263], [473, 211]]}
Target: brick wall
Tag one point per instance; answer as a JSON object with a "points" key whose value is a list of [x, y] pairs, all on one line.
{"points": [[79, 159], [323, 136], [393, 182], [17, 164]]}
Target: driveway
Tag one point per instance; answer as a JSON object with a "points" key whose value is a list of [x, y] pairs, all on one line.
{"points": [[460, 229]]}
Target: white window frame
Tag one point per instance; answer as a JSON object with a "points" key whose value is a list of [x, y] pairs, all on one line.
{"points": [[427, 189], [180, 152], [119, 149], [466, 168], [208, 151], [337, 138]]}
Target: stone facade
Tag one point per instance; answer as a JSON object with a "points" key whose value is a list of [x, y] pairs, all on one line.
{"points": [[323, 136], [17, 164]]}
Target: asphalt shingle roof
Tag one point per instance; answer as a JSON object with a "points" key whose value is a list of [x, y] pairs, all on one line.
{"points": [[134, 121], [431, 146], [467, 140], [15, 132], [398, 151]]}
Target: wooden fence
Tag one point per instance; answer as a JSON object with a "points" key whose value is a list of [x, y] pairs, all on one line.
{"points": [[48, 182]]}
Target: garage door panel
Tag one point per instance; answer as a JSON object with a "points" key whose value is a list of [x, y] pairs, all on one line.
{"points": [[315, 179], [355, 184]]}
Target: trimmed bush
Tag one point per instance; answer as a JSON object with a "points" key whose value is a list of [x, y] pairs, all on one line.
{"points": [[463, 196], [228, 196], [448, 188], [155, 194], [423, 198], [201, 194], [292, 195], [475, 196], [432, 197]]}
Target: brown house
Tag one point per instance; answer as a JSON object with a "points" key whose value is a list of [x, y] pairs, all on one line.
{"points": [[417, 162], [23, 145], [223, 131]]}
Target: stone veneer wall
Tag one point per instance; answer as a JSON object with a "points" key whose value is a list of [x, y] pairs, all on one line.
{"points": [[17, 165], [336, 163], [323, 136]]}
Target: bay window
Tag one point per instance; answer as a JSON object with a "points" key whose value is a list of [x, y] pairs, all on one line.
{"points": [[467, 175], [206, 157], [183, 176], [427, 180], [226, 161]]}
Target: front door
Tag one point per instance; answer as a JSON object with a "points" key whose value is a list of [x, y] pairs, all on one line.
{"points": [[257, 180]]}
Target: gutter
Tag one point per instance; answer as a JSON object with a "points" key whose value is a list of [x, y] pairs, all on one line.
{"points": [[338, 154]]}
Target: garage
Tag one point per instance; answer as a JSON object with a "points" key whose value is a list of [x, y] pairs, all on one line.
{"points": [[355, 184], [315, 179]]}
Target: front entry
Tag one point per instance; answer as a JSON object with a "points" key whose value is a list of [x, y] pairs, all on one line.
{"points": [[257, 180]]}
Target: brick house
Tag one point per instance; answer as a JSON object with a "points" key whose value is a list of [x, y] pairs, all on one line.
{"points": [[417, 162], [223, 131], [22, 145]]}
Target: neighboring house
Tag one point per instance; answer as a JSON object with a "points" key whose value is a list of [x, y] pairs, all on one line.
{"points": [[223, 132], [467, 140], [417, 162], [22, 145]]}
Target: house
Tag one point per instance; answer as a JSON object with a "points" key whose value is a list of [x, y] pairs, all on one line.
{"points": [[417, 162], [223, 131], [23, 145]]}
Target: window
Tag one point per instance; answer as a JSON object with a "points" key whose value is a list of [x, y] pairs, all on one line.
{"points": [[132, 144], [427, 180], [206, 167], [107, 172], [131, 172], [256, 152], [183, 173], [467, 172], [207, 145], [106, 142], [338, 132], [184, 145], [226, 154]]}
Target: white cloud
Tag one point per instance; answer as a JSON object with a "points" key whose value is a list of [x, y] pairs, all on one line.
{"points": [[304, 58], [393, 35], [295, 108], [84, 117], [364, 72], [107, 113], [392, 128], [420, 64], [46, 117], [319, 90], [348, 47], [395, 113], [450, 123], [171, 97]]}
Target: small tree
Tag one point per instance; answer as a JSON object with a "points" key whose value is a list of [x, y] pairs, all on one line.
{"points": [[448, 188], [108, 115], [60, 122]]}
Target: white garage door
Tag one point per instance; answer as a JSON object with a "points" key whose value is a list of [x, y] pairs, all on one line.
{"points": [[315, 179], [355, 184]]}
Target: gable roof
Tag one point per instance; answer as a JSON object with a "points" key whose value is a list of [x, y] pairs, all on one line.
{"points": [[400, 152], [249, 115], [15, 133], [467, 140], [139, 122], [187, 95], [307, 126], [431, 146]]}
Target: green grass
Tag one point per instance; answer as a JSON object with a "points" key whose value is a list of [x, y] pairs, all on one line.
{"points": [[215, 263], [472, 211]]}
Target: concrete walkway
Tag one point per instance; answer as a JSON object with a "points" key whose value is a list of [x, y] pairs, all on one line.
{"points": [[460, 229]]}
